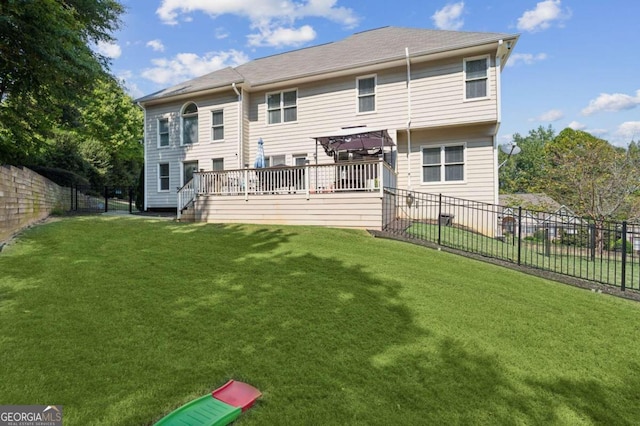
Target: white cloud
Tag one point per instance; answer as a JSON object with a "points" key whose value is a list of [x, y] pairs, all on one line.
{"points": [[575, 125], [549, 116], [525, 58], [221, 34], [110, 50], [156, 45], [273, 19], [279, 37], [597, 132], [185, 66], [629, 130], [125, 78], [541, 18], [612, 102], [448, 18]]}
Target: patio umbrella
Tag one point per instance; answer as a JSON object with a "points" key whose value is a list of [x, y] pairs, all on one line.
{"points": [[260, 162]]}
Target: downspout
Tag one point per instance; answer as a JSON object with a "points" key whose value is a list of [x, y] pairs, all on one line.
{"points": [[240, 126], [145, 179], [498, 71], [406, 51]]}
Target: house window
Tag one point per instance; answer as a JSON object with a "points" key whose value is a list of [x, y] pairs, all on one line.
{"points": [[218, 164], [163, 177], [188, 169], [443, 164], [366, 94], [217, 125], [163, 132], [282, 107], [276, 160], [299, 160], [476, 77], [190, 124]]}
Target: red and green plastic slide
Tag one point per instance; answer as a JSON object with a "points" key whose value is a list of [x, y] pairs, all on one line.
{"points": [[221, 407]]}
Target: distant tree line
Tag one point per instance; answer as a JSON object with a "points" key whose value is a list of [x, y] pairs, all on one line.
{"points": [[61, 111], [587, 174]]}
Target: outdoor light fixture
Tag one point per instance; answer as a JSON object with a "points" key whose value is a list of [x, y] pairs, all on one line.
{"points": [[509, 149]]}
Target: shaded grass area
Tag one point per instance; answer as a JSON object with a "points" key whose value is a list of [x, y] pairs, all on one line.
{"points": [[122, 320], [573, 261]]}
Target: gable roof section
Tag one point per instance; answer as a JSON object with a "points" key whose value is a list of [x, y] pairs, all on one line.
{"points": [[359, 50], [221, 78]]}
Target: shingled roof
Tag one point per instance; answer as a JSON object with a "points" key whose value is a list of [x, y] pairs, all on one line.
{"points": [[361, 49]]}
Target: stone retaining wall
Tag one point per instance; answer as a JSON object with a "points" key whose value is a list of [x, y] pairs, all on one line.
{"points": [[27, 197]]}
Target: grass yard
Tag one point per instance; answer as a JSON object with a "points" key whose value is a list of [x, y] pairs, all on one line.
{"points": [[122, 320]]}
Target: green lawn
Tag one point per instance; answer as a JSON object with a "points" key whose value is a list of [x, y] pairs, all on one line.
{"points": [[122, 320]]}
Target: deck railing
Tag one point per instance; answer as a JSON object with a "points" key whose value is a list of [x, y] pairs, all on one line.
{"points": [[187, 194], [308, 179]]}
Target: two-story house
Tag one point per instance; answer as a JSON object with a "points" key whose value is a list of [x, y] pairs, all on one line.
{"points": [[422, 105]]}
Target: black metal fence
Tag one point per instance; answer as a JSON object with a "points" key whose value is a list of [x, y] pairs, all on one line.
{"points": [[606, 252], [87, 199]]}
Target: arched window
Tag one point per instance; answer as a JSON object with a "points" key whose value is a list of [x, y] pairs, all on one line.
{"points": [[190, 124]]}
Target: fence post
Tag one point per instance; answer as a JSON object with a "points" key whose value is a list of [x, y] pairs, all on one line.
{"points": [[623, 284], [307, 179], [519, 233], [130, 199], [439, 216], [72, 197], [380, 179], [106, 198], [246, 184], [592, 240], [547, 242]]}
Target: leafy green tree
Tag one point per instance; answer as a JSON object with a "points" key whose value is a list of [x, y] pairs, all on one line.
{"points": [[525, 171], [46, 63], [100, 139], [109, 117], [592, 177]]}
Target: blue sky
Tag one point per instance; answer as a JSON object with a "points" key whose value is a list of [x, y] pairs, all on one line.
{"points": [[577, 63]]}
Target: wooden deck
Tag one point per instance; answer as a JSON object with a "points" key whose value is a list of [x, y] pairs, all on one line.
{"points": [[346, 195]]}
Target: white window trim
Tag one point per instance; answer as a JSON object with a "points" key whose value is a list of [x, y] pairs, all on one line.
{"points": [[464, 79], [159, 181], [182, 183], [281, 92], [442, 164], [168, 132], [217, 158], [269, 159], [219, 125], [375, 94], [182, 124]]}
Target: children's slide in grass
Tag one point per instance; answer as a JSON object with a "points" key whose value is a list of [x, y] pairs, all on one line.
{"points": [[223, 406]]}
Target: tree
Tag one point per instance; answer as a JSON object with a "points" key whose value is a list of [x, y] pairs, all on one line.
{"points": [[100, 139], [46, 63], [590, 175], [110, 117], [524, 172]]}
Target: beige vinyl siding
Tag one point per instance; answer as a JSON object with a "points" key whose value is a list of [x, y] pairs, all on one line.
{"points": [[204, 151], [438, 95], [479, 166], [324, 108], [247, 140], [344, 210]]}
